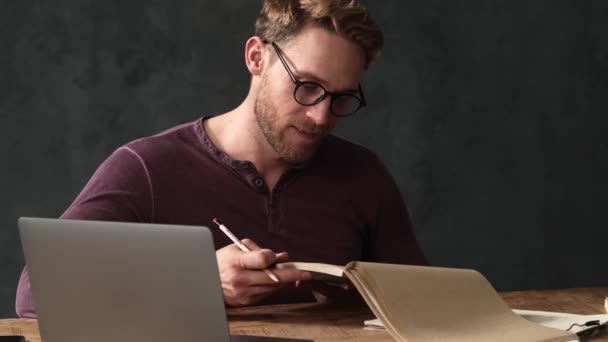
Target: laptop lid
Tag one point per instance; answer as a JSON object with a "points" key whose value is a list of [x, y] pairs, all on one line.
{"points": [[109, 281]]}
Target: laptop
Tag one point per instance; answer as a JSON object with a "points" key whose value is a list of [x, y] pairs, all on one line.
{"points": [[111, 281]]}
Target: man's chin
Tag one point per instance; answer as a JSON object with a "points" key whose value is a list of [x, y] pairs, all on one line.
{"points": [[299, 157], [297, 152]]}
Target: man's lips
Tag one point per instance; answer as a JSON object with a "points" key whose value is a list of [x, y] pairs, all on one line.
{"points": [[306, 132], [308, 135]]}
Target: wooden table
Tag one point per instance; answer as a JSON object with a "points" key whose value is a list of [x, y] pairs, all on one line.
{"points": [[325, 322]]}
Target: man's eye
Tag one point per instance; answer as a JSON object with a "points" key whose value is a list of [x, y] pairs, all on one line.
{"points": [[342, 99], [310, 87]]}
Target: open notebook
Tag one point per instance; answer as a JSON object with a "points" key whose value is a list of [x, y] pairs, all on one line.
{"points": [[432, 304]]}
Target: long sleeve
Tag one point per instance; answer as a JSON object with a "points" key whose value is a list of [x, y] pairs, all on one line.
{"points": [[120, 190], [392, 239]]}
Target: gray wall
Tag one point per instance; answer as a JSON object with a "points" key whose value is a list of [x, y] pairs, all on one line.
{"points": [[491, 115]]}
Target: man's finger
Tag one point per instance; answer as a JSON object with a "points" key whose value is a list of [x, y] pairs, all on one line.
{"points": [[250, 279], [250, 244], [291, 275], [259, 277], [281, 257], [255, 278], [255, 260]]}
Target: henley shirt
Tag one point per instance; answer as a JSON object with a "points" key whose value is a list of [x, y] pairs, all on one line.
{"points": [[342, 205]]}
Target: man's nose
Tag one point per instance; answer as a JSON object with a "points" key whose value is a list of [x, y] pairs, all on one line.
{"points": [[320, 113]]}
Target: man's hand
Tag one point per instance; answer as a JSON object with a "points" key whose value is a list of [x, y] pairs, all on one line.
{"points": [[242, 278]]}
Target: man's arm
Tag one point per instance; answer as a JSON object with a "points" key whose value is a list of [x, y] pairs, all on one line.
{"points": [[392, 238], [120, 190]]}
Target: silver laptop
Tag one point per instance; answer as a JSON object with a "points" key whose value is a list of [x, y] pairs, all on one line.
{"points": [[110, 281]]}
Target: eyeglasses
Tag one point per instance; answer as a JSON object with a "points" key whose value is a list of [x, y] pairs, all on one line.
{"points": [[308, 93]]}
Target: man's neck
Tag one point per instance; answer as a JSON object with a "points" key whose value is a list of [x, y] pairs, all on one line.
{"points": [[237, 134]]}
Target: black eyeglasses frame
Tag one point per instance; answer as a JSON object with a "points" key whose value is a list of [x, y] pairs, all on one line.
{"points": [[332, 95]]}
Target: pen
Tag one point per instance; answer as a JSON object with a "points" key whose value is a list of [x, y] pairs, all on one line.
{"points": [[592, 331], [243, 247]]}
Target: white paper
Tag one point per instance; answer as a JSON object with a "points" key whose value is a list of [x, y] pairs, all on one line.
{"points": [[560, 320], [557, 320]]}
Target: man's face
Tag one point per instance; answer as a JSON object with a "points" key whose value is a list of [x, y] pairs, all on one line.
{"points": [[293, 130]]}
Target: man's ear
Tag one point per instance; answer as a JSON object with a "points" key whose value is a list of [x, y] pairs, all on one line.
{"points": [[255, 53]]}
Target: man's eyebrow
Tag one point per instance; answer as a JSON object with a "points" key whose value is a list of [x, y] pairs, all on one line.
{"points": [[310, 77]]}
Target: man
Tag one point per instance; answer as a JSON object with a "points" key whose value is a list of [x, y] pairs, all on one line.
{"points": [[269, 169]]}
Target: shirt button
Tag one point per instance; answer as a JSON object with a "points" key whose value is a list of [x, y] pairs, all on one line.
{"points": [[258, 183], [245, 165]]}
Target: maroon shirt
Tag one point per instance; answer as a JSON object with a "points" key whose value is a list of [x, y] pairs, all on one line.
{"points": [[341, 206]]}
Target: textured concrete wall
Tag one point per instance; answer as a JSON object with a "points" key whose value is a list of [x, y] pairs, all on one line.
{"points": [[491, 115]]}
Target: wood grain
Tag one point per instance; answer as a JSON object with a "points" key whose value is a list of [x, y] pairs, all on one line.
{"points": [[344, 322]]}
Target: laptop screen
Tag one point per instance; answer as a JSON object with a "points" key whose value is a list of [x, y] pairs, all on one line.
{"points": [[112, 281]]}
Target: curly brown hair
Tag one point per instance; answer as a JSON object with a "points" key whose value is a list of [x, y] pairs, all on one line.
{"points": [[281, 20]]}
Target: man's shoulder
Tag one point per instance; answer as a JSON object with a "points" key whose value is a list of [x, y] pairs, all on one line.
{"points": [[175, 140]]}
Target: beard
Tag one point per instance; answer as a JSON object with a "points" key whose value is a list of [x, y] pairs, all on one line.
{"points": [[275, 129]]}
